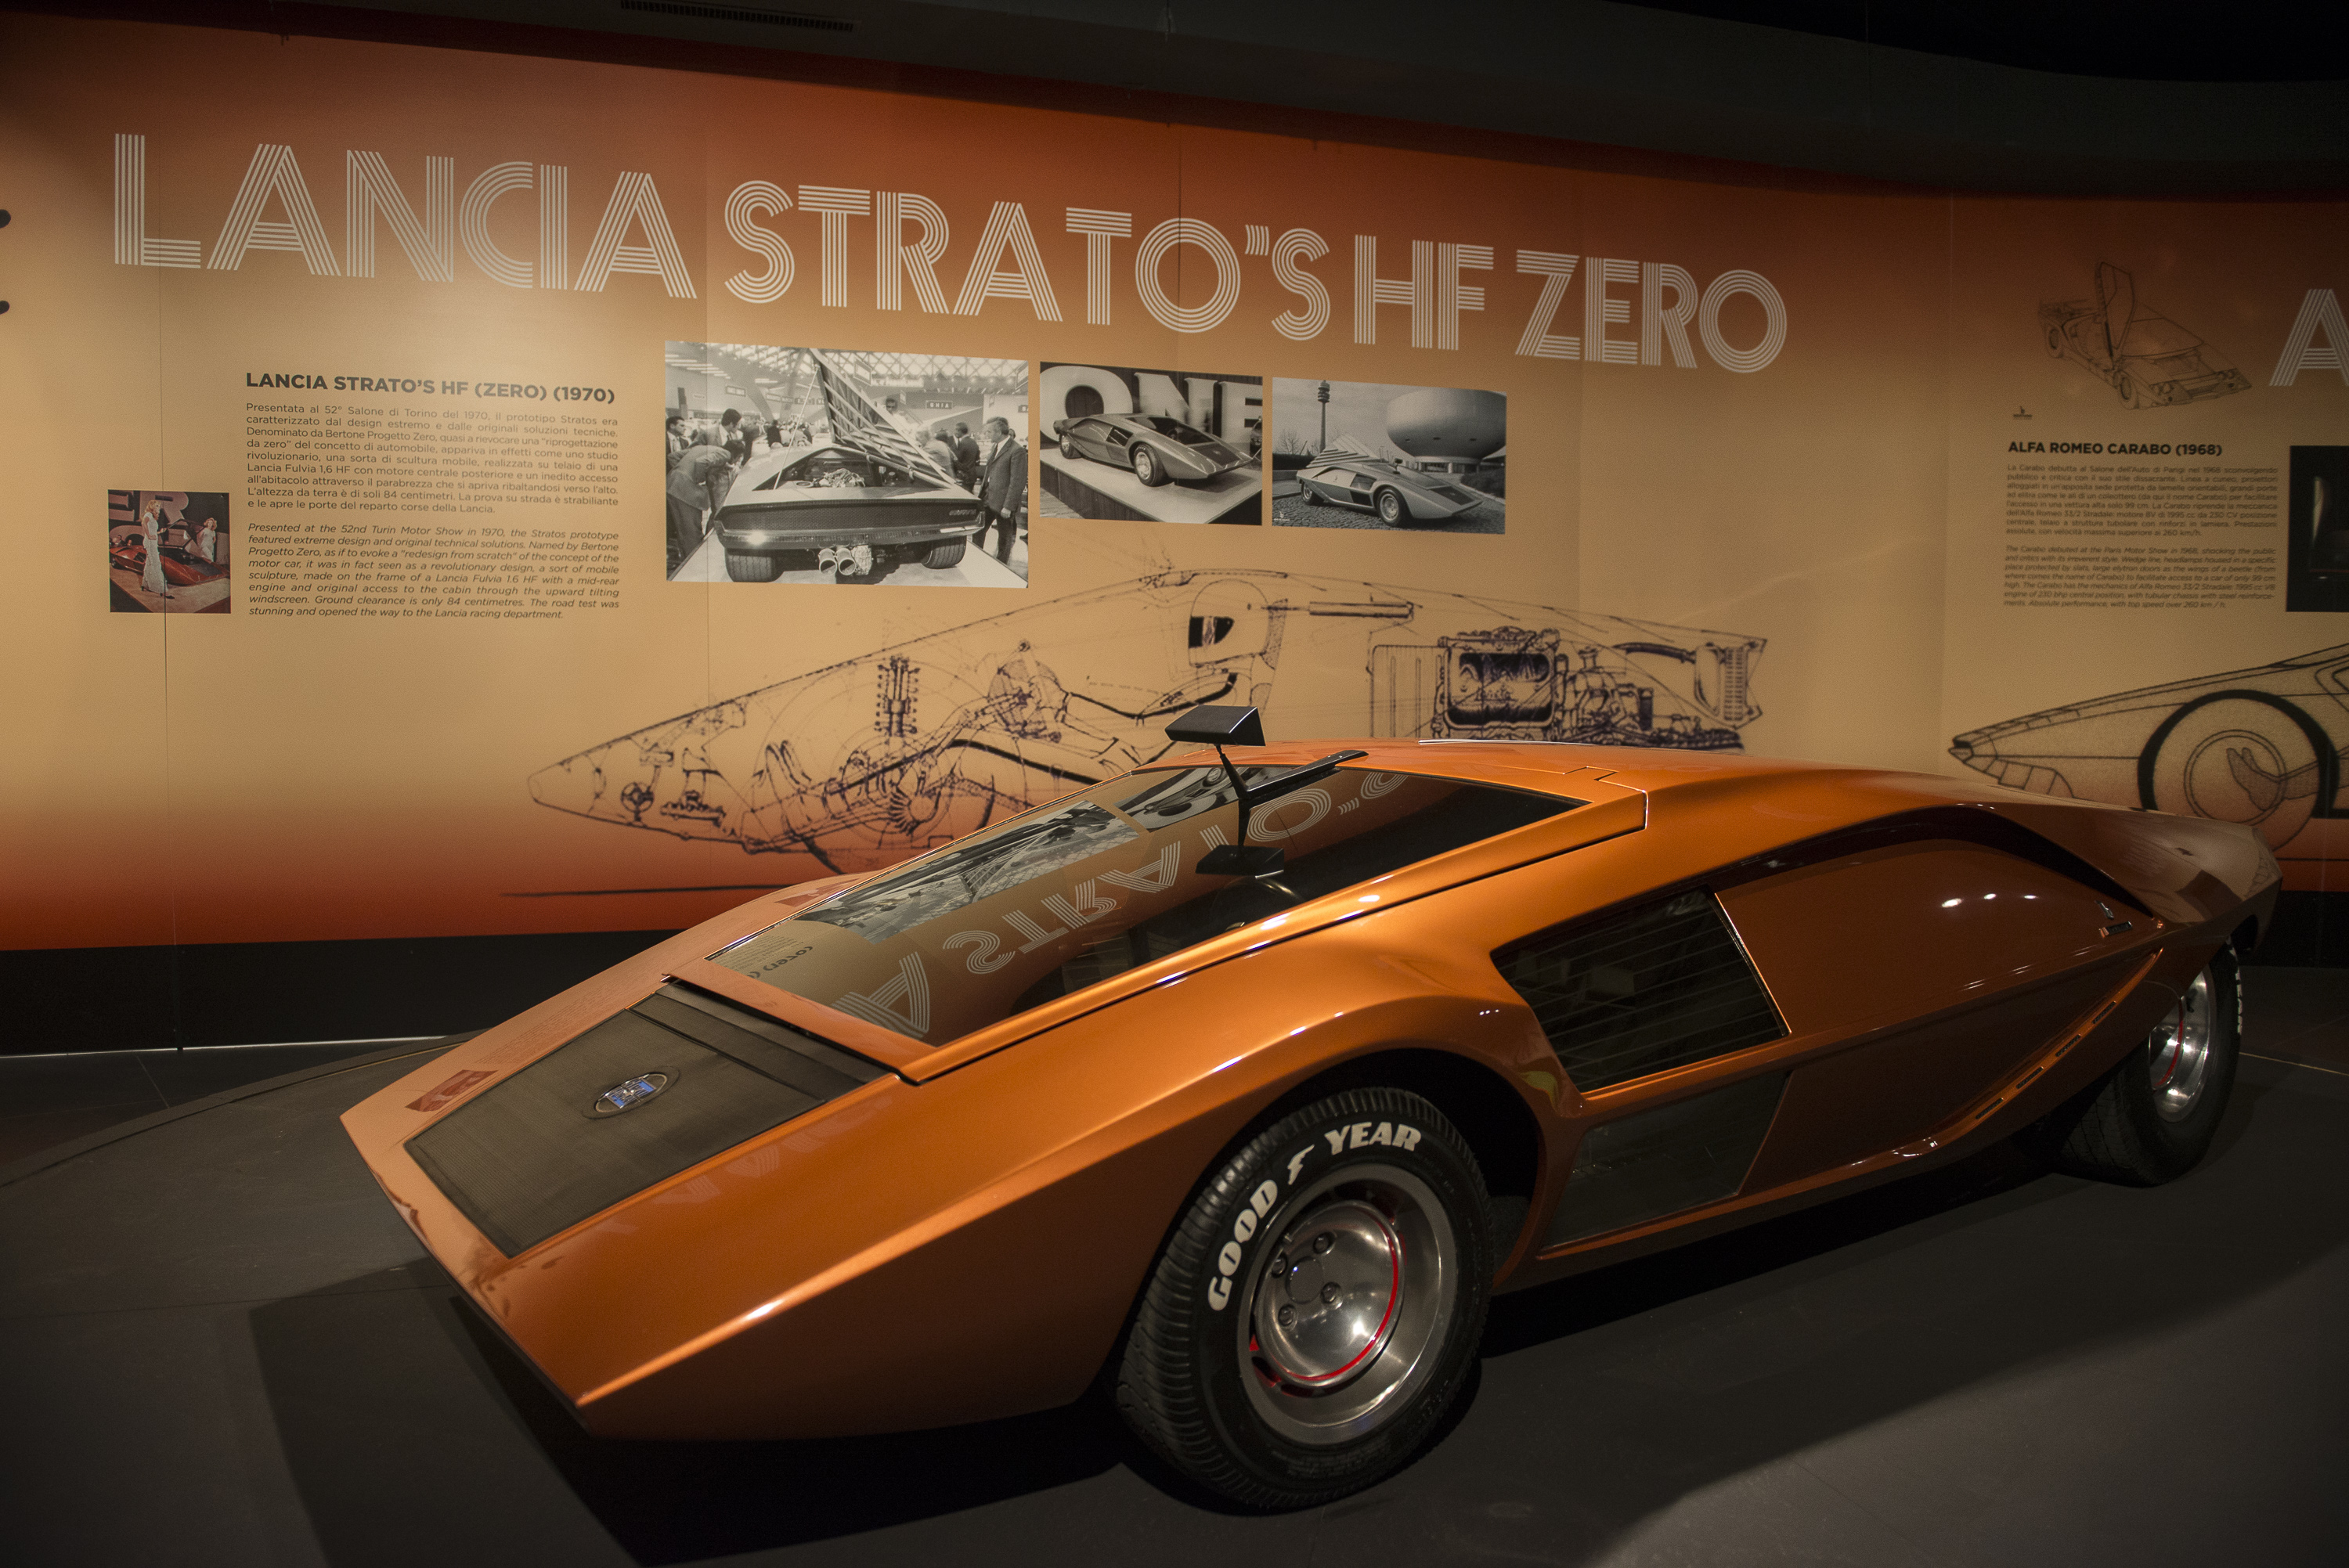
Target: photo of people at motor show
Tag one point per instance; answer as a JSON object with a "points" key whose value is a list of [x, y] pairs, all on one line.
{"points": [[1149, 446], [1363, 454], [166, 551], [846, 465]]}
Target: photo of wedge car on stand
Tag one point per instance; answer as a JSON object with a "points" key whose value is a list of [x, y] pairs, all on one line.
{"points": [[1699, 926]]}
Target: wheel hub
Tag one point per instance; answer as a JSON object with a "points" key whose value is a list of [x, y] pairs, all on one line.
{"points": [[2179, 1051], [1332, 1295]]}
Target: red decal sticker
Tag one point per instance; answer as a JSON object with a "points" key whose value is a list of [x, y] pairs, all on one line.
{"points": [[448, 1089]]}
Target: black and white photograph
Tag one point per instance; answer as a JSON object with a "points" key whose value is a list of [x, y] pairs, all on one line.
{"points": [[1018, 854], [1366, 454], [167, 551], [1149, 446], [846, 465]]}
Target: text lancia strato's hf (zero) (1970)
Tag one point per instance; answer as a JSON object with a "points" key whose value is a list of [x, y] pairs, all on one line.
{"points": [[1237, 1086]]}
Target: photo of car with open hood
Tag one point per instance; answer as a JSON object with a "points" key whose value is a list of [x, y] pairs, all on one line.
{"points": [[1158, 449], [1231, 1086], [866, 497], [2145, 357]]}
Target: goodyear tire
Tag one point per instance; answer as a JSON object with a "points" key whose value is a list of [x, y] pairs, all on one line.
{"points": [[1392, 510], [1146, 466], [942, 556], [1319, 1305], [2152, 1118], [741, 567]]}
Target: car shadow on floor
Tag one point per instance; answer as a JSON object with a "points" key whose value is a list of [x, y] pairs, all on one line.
{"points": [[1727, 1352]]}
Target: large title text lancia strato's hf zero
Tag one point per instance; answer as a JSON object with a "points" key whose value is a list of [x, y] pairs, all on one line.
{"points": [[1237, 1083]]}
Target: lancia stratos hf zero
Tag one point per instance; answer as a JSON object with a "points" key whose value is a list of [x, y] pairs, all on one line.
{"points": [[1234, 1086]]}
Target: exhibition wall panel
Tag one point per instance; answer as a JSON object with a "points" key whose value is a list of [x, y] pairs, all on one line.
{"points": [[436, 603]]}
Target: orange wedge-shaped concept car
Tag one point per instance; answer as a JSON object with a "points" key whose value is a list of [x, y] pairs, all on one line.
{"points": [[1241, 1081]]}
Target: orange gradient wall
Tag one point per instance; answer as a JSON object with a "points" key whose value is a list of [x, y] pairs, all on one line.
{"points": [[1834, 485]]}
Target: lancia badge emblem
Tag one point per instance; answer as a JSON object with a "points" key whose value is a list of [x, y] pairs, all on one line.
{"points": [[628, 1093]]}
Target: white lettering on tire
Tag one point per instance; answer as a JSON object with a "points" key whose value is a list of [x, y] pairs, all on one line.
{"points": [[1359, 1135], [1244, 1227]]}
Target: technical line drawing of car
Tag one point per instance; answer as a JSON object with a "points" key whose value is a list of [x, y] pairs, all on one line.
{"points": [[1397, 494], [1238, 1083], [2259, 747], [2147, 358], [1156, 448], [863, 503], [864, 762]]}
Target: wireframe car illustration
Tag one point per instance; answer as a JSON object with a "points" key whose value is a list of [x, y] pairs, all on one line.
{"points": [[2147, 358], [2260, 747], [1156, 448], [860, 764], [1396, 493], [860, 504], [1240, 1082]]}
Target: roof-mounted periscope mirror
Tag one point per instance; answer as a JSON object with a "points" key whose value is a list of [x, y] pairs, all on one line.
{"points": [[1219, 727], [1222, 726]]}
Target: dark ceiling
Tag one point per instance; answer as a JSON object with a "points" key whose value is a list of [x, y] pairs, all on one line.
{"points": [[2150, 98], [2149, 40]]}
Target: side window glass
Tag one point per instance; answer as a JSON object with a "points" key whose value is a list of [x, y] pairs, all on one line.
{"points": [[1641, 990]]}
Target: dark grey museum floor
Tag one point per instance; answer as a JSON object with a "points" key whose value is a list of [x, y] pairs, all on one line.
{"points": [[223, 1346]]}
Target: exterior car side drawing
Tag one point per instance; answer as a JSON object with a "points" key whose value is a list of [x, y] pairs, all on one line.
{"points": [[883, 755], [2259, 747], [2147, 358], [1136, 1090], [1156, 448], [862, 503], [1396, 493]]}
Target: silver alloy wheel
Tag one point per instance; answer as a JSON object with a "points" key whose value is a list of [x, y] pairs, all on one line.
{"points": [[2179, 1049], [1345, 1319]]}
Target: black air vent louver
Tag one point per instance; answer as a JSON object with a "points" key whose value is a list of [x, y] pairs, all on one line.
{"points": [[1640, 990], [529, 1157]]}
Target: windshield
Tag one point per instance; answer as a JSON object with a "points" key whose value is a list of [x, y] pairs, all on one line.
{"points": [[1176, 429], [1101, 881]]}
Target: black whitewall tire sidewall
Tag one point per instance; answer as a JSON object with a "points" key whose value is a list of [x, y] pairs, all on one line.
{"points": [[1365, 1215]]}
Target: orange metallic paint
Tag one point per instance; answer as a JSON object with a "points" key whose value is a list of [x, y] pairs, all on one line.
{"points": [[963, 1239]]}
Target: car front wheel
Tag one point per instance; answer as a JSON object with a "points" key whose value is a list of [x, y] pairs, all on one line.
{"points": [[1146, 466], [1319, 1305], [2152, 1118], [1390, 507]]}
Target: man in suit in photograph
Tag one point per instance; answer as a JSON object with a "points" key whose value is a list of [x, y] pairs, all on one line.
{"points": [[966, 463], [1005, 496]]}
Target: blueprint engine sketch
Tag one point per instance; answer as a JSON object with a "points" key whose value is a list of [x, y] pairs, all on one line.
{"points": [[870, 760], [2262, 747], [2147, 358]]}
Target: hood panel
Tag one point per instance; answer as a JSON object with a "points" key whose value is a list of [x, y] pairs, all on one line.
{"points": [[647, 1092]]}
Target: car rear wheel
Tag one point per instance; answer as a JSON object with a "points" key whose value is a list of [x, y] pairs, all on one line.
{"points": [[2152, 1118], [1316, 1309], [1391, 508], [1146, 466], [741, 567], [942, 556]]}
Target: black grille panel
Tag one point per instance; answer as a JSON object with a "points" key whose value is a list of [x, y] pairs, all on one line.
{"points": [[1641, 990], [1662, 1162], [527, 1158]]}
